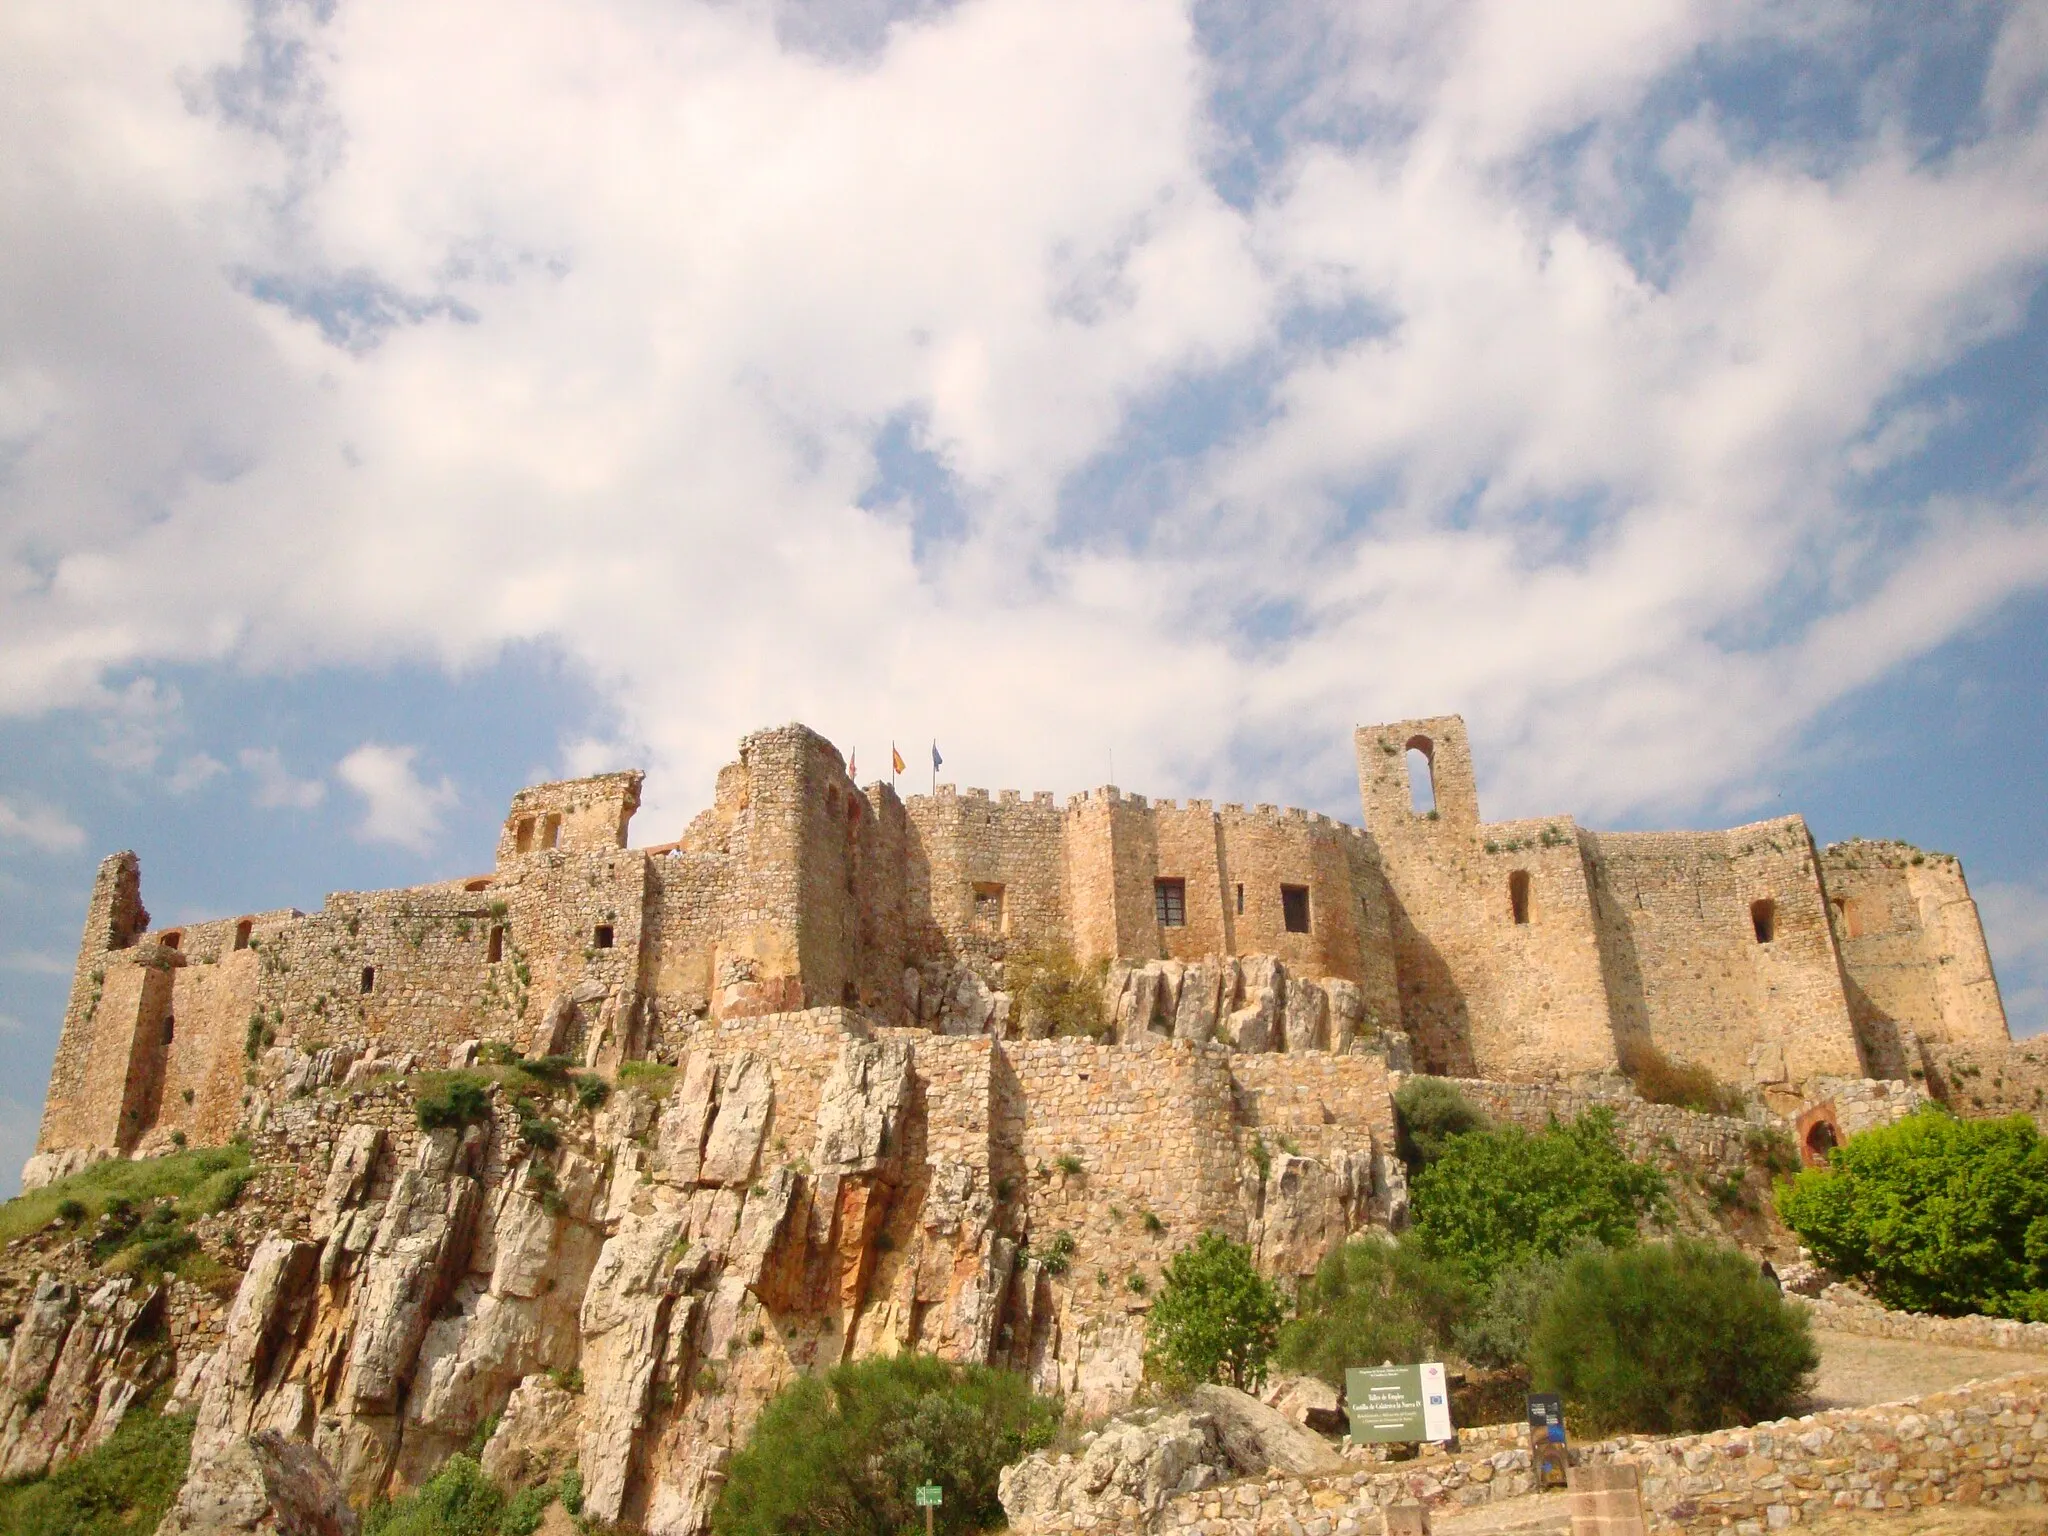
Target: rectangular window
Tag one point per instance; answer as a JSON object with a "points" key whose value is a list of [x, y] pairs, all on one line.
{"points": [[602, 938], [1763, 917], [242, 932], [1294, 907], [369, 979], [988, 908], [523, 835], [1170, 903], [551, 831], [496, 951]]}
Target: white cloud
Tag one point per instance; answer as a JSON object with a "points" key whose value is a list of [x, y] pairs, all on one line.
{"points": [[40, 826], [2016, 927], [611, 330], [400, 808], [193, 772], [275, 785]]}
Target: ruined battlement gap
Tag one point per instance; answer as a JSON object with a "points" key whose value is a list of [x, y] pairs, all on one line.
{"points": [[1532, 950]]}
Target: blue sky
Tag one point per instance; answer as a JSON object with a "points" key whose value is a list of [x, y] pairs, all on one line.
{"points": [[401, 403]]}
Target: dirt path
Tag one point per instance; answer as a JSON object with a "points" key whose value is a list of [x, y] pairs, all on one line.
{"points": [[1856, 1371]]}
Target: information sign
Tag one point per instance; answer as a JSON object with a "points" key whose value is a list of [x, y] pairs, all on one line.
{"points": [[1390, 1403], [1546, 1439], [930, 1496]]}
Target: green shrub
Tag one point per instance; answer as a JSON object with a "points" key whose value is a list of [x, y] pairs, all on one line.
{"points": [[1428, 1112], [1373, 1302], [451, 1100], [1216, 1319], [1935, 1214], [1670, 1339], [844, 1453], [1497, 1331], [592, 1091], [1660, 1080], [1497, 1197], [121, 1488], [196, 1178], [1055, 994], [458, 1500]]}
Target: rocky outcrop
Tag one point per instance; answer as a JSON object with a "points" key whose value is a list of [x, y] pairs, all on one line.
{"points": [[261, 1485], [1302, 1207], [1133, 1465], [76, 1365]]}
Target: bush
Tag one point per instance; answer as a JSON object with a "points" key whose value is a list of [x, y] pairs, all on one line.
{"points": [[1428, 1112], [1500, 1328], [1660, 1080], [1670, 1339], [1372, 1302], [200, 1179], [1494, 1198], [1054, 993], [1217, 1319], [1935, 1214], [844, 1453], [458, 1500], [117, 1489], [451, 1100]]}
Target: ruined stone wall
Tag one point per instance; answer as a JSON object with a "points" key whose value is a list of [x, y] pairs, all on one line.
{"points": [[1971, 1079], [113, 918], [573, 815], [1679, 924], [1912, 946]]}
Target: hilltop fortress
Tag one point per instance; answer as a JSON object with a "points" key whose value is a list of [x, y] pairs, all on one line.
{"points": [[823, 1110], [1524, 951]]}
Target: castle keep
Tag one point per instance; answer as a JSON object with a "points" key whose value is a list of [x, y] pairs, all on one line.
{"points": [[1532, 950]]}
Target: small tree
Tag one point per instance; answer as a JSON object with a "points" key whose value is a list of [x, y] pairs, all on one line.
{"points": [[845, 1452], [1373, 1302], [1216, 1318], [1428, 1112], [1671, 1338], [1497, 1197], [1936, 1214]]}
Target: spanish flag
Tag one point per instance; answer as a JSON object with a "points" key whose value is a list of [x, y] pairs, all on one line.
{"points": [[895, 757]]}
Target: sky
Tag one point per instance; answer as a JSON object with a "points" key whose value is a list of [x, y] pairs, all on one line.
{"points": [[403, 402]]}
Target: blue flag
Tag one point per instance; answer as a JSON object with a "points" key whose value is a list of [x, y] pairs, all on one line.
{"points": [[936, 759]]}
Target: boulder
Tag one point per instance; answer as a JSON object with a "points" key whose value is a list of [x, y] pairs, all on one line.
{"points": [[1308, 1401], [1308, 1016], [1259, 1439], [260, 1485], [1194, 1017], [1140, 1461]]}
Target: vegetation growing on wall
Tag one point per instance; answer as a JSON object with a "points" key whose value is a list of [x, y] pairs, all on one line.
{"points": [[1661, 1080], [845, 1452], [1935, 1214], [1428, 1112], [1053, 993]]}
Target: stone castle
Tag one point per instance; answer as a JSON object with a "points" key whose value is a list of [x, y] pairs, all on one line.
{"points": [[1523, 951], [821, 1114]]}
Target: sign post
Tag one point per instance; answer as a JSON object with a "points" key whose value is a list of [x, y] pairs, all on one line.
{"points": [[1547, 1453], [1394, 1403], [929, 1497]]}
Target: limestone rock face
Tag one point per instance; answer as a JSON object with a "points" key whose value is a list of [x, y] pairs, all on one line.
{"points": [[261, 1485], [76, 1366], [1143, 1460], [1195, 1015], [862, 1104], [734, 1146], [537, 1435], [1304, 1207], [1308, 1016], [1258, 1439]]}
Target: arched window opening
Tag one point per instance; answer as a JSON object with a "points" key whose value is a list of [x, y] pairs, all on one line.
{"points": [[369, 979], [1518, 895], [242, 931], [1820, 1141], [496, 949], [1422, 775], [172, 939], [1763, 917]]}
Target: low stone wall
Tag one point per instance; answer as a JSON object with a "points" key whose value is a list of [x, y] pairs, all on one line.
{"points": [[1660, 1133], [1843, 1309], [1984, 1443]]}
